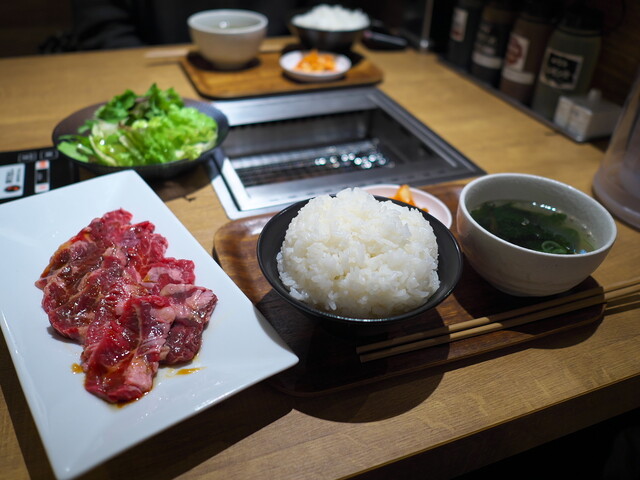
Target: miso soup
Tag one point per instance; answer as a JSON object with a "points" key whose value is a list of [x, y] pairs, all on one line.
{"points": [[534, 226]]}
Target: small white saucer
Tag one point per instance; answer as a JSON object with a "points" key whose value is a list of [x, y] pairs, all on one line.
{"points": [[433, 205], [289, 60]]}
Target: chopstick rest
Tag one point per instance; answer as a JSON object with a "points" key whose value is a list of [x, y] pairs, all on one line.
{"points": [[499, 321]]}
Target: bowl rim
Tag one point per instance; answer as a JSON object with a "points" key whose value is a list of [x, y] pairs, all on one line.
{"points": [[435, 299], [323, 31], [447, 219], [150, 170], [194, 21], [607, 244]]}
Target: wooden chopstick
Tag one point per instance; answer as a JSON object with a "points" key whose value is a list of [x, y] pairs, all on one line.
{"points": [[512, 318], [476, 322]]}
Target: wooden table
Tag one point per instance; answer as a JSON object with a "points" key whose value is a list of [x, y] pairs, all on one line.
{"points": [[453, 419]]}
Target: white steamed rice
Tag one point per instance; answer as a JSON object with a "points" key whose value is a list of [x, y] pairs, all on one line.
{"points": [[354, 256], [332, 18]]}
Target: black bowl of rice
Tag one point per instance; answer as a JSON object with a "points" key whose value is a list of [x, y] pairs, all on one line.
{"points": [[329, 27], [357, 260]]}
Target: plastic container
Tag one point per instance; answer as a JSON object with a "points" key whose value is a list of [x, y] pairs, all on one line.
{"points": [[585, 117], [526, 47], [569, 60], [464, 25], [617, 182], [491, 40]]}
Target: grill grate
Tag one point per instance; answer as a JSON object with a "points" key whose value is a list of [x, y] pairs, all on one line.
{"points": [[281, 149], [309, 163]]}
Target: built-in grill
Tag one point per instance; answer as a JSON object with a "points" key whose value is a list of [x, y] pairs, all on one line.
{"points": [[282, 149]]}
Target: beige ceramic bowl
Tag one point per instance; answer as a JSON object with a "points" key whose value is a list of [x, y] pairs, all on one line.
{"points": [[229, 39], [520, 271]]}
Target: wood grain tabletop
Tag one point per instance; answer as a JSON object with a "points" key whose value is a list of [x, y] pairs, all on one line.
{"points": [[445, 421]]}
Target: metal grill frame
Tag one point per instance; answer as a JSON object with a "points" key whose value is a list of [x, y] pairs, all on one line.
{"points": [[256, 120]]}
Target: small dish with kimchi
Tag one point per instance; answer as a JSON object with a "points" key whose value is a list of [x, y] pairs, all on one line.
{"points": [[314, 65], [416, 197]]}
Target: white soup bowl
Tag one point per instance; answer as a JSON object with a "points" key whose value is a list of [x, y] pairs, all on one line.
{"points": [[520, 271], [229, 39]]}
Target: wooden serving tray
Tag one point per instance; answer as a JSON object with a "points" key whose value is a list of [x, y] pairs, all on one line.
{"points": [[266, 77], [328, 360]]}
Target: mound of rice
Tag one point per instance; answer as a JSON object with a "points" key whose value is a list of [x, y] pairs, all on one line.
{"points": [[354, 256], [332, 18]]}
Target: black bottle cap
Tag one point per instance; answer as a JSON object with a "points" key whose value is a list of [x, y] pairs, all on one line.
{"points": [[583, 18], [541, 10], [510, 5]]}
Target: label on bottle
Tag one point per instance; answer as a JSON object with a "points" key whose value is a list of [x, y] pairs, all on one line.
{"points": [[517, 51], [458, 24], [490, 44], [515, 60], [560, 70]]}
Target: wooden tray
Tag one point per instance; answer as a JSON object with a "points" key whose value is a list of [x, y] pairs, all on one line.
{"points": [[265, 77], [328, 361]]}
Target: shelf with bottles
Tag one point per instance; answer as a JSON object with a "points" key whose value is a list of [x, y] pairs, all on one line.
{"points": [[532, 54]]}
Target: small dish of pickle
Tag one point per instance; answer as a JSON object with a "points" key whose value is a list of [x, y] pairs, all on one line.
{"points": [[314, 65]]}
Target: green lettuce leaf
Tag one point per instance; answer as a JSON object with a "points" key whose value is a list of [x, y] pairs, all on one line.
{"points": [[133, 130]]}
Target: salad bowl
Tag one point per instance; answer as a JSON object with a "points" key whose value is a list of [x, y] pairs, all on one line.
{"points": [[71, 125]]}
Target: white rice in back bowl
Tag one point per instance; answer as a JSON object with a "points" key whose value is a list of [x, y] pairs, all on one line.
{"points": [[355, 256], [332, 18]]}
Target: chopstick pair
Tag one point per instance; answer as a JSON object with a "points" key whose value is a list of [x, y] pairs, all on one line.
{"points": [[499, 321]]}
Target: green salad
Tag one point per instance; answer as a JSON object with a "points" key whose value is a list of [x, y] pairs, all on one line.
{"points": [[133, 130]]}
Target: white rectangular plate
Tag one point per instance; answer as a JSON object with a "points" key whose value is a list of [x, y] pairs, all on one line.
{"points": [[78, 430]]}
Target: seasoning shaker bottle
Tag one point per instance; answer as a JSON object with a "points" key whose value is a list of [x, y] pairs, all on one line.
{"points": [[617, 181], [464, 25], [569, 60], [491, 40], [526, 47]]}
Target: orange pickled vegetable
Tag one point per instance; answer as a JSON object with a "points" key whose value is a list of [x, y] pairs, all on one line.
{"points": [[315, 62], [404, 195]]}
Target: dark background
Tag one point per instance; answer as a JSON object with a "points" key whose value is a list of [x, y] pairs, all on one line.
{"points": [[27, 25]]}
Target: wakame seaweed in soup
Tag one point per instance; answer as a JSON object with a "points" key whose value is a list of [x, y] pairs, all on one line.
{"points": [[534, 226]]}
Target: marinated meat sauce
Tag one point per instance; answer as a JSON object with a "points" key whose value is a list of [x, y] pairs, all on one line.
{"points": [[111, 288]]}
